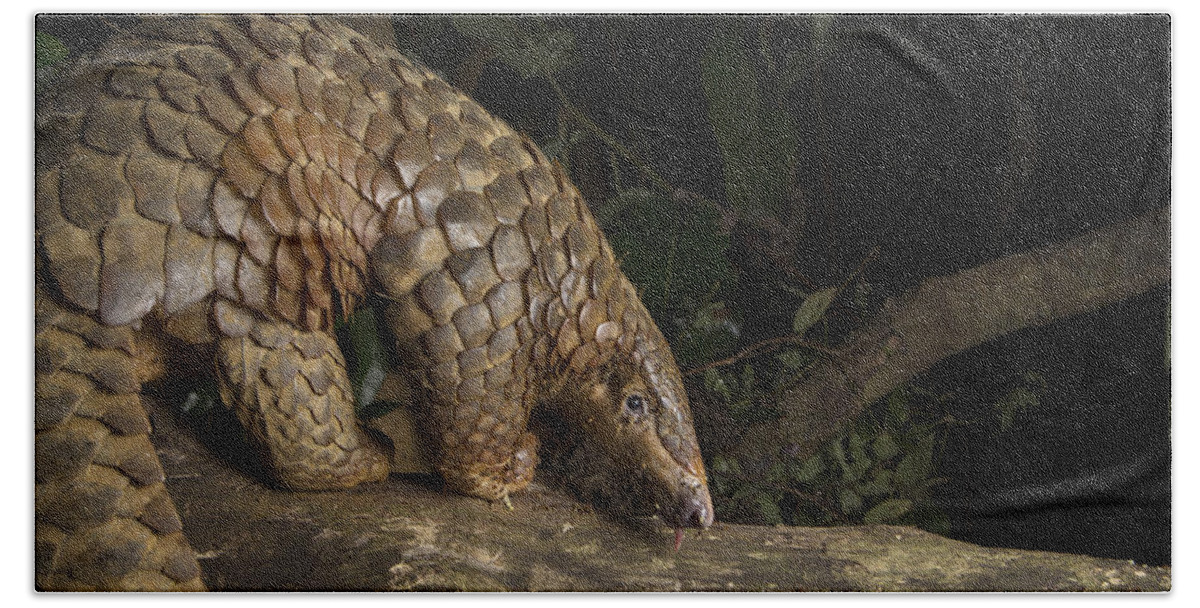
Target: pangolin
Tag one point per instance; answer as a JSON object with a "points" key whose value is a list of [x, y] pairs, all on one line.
{"points": [[232, 185]]}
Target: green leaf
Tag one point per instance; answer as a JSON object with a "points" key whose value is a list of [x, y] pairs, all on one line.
{"points": [[849, 501], [884, 446], [812, 310], [914, 468], [795, 360], [897, 408], [811, 468], [716, 384], [888, 511], [768, 509], [880, 483], [1018, 400], [366, 360], [48, 50]]}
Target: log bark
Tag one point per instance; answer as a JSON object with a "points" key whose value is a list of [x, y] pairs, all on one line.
{"points": [[947, 315], [406, 534]]}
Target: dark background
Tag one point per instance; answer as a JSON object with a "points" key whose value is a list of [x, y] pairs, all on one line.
{"points": [[941, 141]]}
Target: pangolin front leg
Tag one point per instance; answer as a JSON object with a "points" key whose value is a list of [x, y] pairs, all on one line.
{"points": [[290, 391]]}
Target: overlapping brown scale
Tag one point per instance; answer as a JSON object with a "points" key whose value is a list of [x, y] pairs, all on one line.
{"points": [[381, 132], [561, 214], [474, 324], [302, 184], [506, 302], [335, 101], [358, 116], [241, 168], [553, 263], [405, 68], [583, 243], [318, 49], [539, 183], [261, 144], [131, 277], [472, 390], [247, 94], [167, 129], [442, 96], [278, 208], [93, 188], [205, 142], [475, 273], [225, 258], [467, 220], [475, 166], [379, 82], [573, 289], [477, 124], [509, 154], [399, 262], [309, 81], [442, 344], [411, 156], [270, 37], [445, 135], [413, 106], [229, 208], [137, 81], [441, 296], [434, 184], [366, 167], [225, 113], [283, 123], [402, 217], [204, 63], [407, 320], [192, 197], [74, 256], [253, 283], [154, 180], [257, 235], [114, 125], [508, 197], [384, 188], [179, 89], [502, 344], [189, 269], [237, 45]]}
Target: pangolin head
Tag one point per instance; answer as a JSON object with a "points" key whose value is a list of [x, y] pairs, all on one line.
{"points": [[637, 412]]}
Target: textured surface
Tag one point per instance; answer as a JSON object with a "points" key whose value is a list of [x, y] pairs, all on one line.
{"points": [[245, 182], [406, 535]]}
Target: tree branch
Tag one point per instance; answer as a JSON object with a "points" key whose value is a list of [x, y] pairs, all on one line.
{"points": [[946, 315]]}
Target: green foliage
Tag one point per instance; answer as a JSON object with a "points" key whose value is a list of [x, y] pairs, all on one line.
{"points": [[756, 137], [530, 46], [48, 50], [1019, 400], [812, 310], [359, 337], [878, 471], [674, 251]]}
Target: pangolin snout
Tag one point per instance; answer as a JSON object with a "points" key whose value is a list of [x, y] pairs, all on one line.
{"points": [[692, 509]]}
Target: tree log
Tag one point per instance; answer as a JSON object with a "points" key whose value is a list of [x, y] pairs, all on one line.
{"points": [[405, 534], [947, 315]]}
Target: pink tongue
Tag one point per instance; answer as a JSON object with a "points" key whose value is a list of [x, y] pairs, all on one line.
{"points": [[678, 538]]}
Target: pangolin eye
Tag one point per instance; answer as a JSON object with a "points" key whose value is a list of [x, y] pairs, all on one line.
{"points": [[635, 404]]}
